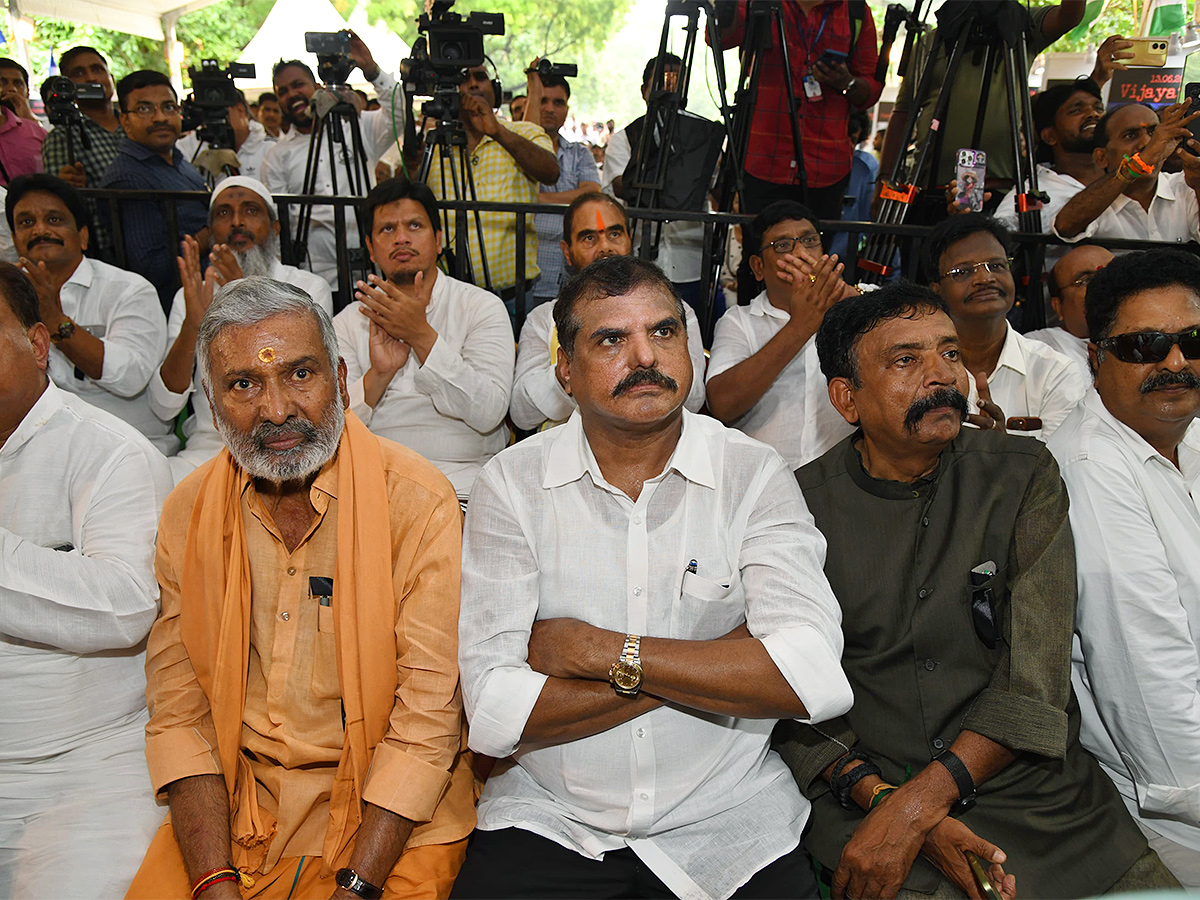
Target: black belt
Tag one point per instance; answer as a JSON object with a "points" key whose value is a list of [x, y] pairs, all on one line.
{"points": [[511, 293]]}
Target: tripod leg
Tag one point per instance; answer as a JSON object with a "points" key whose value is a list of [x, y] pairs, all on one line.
{"points": [[469, 179], [793, 109]]}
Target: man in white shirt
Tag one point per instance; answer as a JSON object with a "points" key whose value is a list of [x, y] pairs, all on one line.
{"points": [[429, 359], [1135, 199], [1068, 287], [80, 494], [594, 226], [968, 264], [763, 374], [284, 166], [642, 600], [1130, 457], [106, 326], [1065, 118], [245, 230]]}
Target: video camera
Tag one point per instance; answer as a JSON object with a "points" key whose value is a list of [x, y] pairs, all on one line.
{"points": [[447, 47], [61, 96], [206, 108], [332, 49], [563, 70]]}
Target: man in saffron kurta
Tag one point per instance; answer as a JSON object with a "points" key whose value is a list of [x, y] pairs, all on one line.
{"points": [[302, 678]]}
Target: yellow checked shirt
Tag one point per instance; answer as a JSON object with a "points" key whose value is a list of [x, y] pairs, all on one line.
{"points": [[498, 179]]}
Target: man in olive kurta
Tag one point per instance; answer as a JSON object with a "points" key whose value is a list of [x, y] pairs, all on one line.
{"points": [[952, 557]]}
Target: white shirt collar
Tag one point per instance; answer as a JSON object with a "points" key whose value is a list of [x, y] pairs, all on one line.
{"points": [[1137, 444], [570, 456], [83, 274], [39, 414], [761, 306], [1012, 353], [1163, 190]]}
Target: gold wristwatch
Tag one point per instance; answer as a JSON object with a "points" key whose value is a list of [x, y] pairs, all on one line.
{"points": [[64, 332], [626, 673]]}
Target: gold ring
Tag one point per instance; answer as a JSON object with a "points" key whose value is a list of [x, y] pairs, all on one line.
{"points": [[812, 278]]}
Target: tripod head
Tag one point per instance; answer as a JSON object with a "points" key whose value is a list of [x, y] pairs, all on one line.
{"points": [[981, 22]]}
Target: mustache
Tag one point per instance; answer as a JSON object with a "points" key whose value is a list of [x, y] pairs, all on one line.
{"points": [[1187, 378], [645, 376], [947, 396], [238, 231], [268, 431], [44, 239]]}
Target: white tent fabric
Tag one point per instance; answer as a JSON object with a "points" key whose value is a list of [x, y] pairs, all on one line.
{"points": [[282, 37], [141, 17]]}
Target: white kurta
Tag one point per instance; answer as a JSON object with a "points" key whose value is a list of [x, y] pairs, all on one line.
{"points": [[80, 495]]}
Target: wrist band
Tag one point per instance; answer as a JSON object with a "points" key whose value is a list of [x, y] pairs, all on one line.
{"points": [[216, 876], [1139, 165], [881, 790], [962, 779], [842, 783], [1125, 175]]}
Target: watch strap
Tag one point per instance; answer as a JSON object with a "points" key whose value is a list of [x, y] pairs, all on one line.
{"points": [[632, 651], [356, 884], [961, 775]]}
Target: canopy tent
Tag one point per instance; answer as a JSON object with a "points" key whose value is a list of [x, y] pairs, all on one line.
{"points": [[282, 37], [154, 19]]}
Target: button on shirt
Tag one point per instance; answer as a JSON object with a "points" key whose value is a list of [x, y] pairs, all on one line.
{"points": [[794, 415], [121, 309], [537, 397], [284, 165], [1032, 379], [1172, 217], [203, 439], [451, 408], [575, 166], [1136, 666], [699, 798], [149, 250], [80, 494]]}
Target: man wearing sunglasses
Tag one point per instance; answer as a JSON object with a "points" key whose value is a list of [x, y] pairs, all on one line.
{"points": [[763, 375], [950, 554], [968, 264], [148, 160], [1130, 456], [1068, 286]]}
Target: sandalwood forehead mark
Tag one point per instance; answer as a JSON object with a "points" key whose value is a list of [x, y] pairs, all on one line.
{"points": [[267, 355]]}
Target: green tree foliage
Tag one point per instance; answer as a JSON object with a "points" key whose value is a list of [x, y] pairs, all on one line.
{"points": [[218, 31], [566, 30]]}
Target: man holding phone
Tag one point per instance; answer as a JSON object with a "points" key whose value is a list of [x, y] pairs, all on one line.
{"points": [[832, 52]]}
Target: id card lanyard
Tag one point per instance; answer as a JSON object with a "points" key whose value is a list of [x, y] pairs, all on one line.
{"points": [[812, 87]]}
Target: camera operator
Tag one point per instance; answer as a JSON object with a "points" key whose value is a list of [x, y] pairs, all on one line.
{"points": [[20, 137], [578, 175], [508, 162], [250, 141], [832, 52], [284, 166]]}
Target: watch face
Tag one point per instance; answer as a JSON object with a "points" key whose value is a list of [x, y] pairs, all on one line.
{"points": [[626, 676]]}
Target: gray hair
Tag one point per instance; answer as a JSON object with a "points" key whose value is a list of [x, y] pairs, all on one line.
{"points": [[251, 300]]}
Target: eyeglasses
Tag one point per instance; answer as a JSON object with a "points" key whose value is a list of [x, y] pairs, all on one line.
{"points": [[1151, 346], [1084, 279], [965, 273], [146, 110], [785, 245]]}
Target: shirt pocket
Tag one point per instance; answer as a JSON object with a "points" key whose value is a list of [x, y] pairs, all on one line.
{"points": [[708, 608], [325, 682]]}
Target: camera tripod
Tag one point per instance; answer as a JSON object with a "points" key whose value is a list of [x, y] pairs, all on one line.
{"points": [[996, 29], [449, 140], [674, 153], [336, 130]]}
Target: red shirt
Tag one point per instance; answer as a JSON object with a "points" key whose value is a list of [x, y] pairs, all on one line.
{"points": [[824, 138]]}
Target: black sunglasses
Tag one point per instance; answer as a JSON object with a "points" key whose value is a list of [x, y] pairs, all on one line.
{"points": [[1151, 346]]}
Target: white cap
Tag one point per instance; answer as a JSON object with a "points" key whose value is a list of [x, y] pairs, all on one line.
{"points": [[250, 184]]}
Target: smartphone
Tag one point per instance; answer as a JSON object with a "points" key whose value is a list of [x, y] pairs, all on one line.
{"points": [[1147, 51], [326, 43], [1192, 90], [979, 870], [833, 57], [971, 171]]}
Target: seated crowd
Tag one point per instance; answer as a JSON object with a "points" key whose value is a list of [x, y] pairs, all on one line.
{"points": [[903, 601]]}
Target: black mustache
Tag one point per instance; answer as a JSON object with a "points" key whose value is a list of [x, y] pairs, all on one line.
{"points": [[1187, 378], [645, 376], [44, 239], [269, 431], [948, 396]]}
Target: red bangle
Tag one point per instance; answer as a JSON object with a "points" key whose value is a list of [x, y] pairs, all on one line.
{"points": [[204, 882]]}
